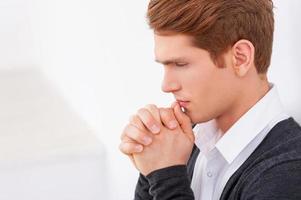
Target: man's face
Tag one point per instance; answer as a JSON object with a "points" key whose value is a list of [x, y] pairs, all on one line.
{"points": [[203, 89]]}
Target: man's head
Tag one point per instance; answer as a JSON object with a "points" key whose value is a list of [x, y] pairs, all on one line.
{"points": [[216, 25], [211, 49]]}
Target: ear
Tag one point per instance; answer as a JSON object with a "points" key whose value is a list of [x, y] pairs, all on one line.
{"points": [[242, 57]]}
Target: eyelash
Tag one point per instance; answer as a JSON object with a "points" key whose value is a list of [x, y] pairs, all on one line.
{"points": [[180, 64]]}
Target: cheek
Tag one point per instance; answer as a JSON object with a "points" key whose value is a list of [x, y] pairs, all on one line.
{"points": [[195, 81], [203, 87], [211, 97]]}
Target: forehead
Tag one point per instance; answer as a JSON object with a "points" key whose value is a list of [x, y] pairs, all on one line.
{"points": [[172, 40], [172, 45]]}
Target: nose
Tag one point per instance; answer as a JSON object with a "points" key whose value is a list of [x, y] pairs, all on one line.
{"points": [[170, 83]]}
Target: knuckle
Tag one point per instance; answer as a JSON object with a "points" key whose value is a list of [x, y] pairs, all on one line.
{"points": [[143, 114], [134, 119], [127, 148], [140, 138], [149, 123], [130, 132], [170, 111], [163, 112], [168, 118], [146, 118], [151, 107], [126, 139], [141, 111], [131, 118], [137, 135], [126, 129], [121, 148], [154, 113], [133, 134]]}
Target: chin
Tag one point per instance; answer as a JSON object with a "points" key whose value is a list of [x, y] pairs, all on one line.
{"points": [[195, 118]]}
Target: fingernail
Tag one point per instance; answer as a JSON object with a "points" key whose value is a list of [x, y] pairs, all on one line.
{"points": [[182, 109], [138, 148], [173, 124], [155, 129], [147, 140]]}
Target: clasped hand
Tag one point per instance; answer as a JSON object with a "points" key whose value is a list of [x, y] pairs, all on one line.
{"points": [[157, 138]]}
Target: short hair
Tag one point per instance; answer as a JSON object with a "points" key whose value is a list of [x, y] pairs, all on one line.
{"points": [[216, 25]]}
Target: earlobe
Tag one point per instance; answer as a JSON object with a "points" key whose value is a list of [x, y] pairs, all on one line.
{"points": [[243, 57]]}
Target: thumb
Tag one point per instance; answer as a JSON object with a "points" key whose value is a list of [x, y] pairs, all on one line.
{"points": [[184, 121]]}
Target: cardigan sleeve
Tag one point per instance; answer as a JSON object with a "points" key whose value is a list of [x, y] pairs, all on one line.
{"points": [[154, 186], [179, 175], [142, 189], [171, 183]]}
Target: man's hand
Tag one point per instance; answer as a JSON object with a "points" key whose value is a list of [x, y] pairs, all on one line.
{"points": [[170, 147], [140, 127], [135, 135]]}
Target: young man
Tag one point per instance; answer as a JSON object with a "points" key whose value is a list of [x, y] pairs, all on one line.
{"points": [[215, 54]]}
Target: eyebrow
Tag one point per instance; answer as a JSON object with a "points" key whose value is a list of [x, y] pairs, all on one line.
{"points": [[170, 61]]}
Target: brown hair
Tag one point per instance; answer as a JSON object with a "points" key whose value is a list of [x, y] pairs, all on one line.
{"points": [[216, 25]]}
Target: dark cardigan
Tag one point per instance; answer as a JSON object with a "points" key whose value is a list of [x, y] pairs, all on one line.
{"points": [[272, 172]]}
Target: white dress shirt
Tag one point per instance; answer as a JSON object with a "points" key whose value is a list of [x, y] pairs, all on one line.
{"points": [[222, 154]]}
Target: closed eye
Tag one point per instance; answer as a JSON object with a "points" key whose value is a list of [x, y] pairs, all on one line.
{"points": [[180, 64]]}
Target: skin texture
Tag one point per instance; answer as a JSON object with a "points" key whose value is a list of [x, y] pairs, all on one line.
{"points": [[166, 144], [210, 92]]}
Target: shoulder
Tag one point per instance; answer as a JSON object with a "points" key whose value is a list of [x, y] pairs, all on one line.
{"points": [[284, 139], [280, 149], [275, 172]]}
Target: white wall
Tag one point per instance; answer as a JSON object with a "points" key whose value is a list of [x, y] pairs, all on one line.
{"points": [[285, 68], [18, 48], [100, 55], [46, 150]]}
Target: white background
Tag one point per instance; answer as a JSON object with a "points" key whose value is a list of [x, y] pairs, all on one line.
{"points": [[99, 56]]}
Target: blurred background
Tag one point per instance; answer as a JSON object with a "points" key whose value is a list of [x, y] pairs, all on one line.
{"points": [[71, 74]]}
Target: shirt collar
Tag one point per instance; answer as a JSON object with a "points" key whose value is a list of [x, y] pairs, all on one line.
{"points": [[206, 136], [243, 131]]}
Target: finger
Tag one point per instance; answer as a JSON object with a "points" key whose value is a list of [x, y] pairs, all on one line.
{"points": [[137, 135], [154, 110], [136, 121], [168, 118], [173, 105], [184, 121], [124, 137], [148, 120], [129, 148], [182, 118]]}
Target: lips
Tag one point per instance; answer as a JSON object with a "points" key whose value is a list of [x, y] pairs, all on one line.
{"points": [[183, 103]]}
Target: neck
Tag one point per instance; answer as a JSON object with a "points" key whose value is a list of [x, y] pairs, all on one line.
{"points": [[250, 95]]}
